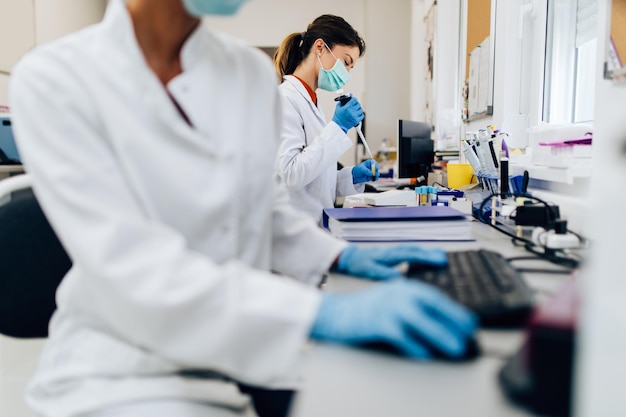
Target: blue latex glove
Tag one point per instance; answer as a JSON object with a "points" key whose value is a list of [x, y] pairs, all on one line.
{"points": [[363, 172], [378, 263], [413, 317], [348, 115]]}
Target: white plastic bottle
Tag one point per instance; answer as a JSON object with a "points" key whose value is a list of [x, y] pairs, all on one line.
{"points": [[384, 150]]}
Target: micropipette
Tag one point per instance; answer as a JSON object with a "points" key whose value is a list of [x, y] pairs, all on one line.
{"points": [[367, 148], [344, 99]]}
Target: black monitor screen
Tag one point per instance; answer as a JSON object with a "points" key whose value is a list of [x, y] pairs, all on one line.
{"points": [[412, 129], [416, 150]]}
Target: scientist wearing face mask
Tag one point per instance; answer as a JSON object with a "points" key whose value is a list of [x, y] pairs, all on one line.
{"points": [[174, 305], [321, 57]]}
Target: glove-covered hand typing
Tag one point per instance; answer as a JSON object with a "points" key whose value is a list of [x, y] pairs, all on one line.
{"points": [[363, 172], [348, 115], [410, 316], [379, 263]]}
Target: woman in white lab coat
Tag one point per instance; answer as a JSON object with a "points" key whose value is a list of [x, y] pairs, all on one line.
{"points": [[151, 152], [321, 57]]}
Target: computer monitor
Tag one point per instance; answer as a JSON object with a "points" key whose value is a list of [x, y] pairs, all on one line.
{"points": [[416, 150], [7, 140]]}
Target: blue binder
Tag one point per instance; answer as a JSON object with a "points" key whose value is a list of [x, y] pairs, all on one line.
{"points": [[397, 224], [380, 214]]}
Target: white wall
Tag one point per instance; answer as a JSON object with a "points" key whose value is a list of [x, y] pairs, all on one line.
{"points": [[388, 67], [55, 18], [17, 35], [25, 24], [419, 61]]}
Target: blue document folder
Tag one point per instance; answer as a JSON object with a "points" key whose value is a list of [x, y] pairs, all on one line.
{"points": [[418, 223]]}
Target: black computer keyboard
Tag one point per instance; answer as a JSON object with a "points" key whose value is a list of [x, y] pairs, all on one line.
{"points": [[486, 283]]}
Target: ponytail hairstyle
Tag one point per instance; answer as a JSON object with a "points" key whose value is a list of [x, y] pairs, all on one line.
{"points": [[334, 30]]}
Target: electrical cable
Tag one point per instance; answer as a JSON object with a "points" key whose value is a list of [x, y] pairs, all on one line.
{"points": [[482, 219], [537, 270], [523, 258], [545, 271], [556, 256]]}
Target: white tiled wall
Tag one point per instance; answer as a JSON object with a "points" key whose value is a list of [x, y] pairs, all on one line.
{"points": [[18, 359]]}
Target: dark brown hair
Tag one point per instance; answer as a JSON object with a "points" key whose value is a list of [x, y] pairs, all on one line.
{"points": [[334, 30]]}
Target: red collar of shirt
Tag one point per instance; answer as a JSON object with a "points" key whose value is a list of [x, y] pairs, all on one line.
{"points": [[308, 89]]}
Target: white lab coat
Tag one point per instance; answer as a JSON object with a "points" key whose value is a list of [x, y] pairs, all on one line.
{"points": [[172, 230], [309, 151]]}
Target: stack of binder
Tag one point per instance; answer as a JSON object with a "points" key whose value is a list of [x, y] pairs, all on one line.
{"points": [[393, 224]]}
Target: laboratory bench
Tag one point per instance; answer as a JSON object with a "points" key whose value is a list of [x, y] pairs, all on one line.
{"points": [[343, 381]]}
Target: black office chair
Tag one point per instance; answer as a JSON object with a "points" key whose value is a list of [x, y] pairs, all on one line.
{"points": [[32, 262]]}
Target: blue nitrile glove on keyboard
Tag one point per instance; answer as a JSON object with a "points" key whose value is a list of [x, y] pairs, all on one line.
{"points": [[413, 317], [378, 263], [348, 115], [363, 172]]}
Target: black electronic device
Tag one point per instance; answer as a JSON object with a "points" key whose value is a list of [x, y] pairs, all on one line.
{"points": [[5, 160], [8, 149], [536, 214], [416, 149], [485, 282]]}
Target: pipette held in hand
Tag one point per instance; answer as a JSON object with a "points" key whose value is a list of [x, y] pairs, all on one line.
{"points": [[367, 149], [343, 99]]}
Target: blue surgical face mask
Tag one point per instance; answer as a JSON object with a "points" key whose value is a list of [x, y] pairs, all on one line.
{"points": [[335, 78], [217, 7]]}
